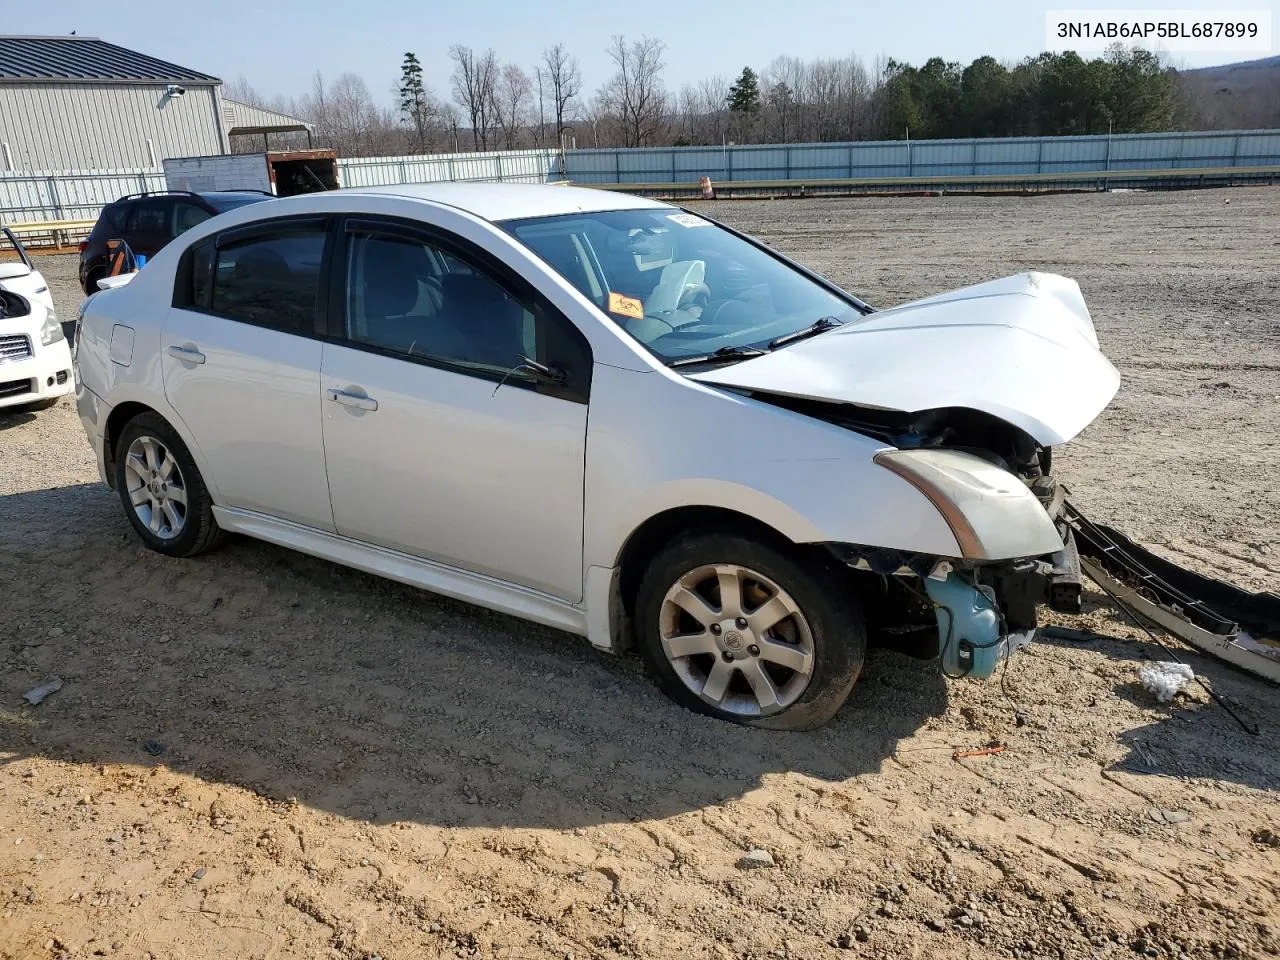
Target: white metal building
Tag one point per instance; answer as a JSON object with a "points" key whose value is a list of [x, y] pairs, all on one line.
{"points": [[79, 103]]}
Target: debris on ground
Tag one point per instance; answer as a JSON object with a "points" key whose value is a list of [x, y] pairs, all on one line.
{"points": [[1160, 815], [37, 695], [1165, 678], [755, 859]]}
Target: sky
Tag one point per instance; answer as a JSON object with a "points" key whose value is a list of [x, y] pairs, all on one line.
{"points": [[278, 46]]}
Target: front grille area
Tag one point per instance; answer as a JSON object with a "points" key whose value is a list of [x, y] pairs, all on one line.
{"points": [[15, 388], [15, 347]]}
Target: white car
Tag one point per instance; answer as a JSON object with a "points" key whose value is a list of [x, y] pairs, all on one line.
{"points": [[604, 414], [35, 360]]}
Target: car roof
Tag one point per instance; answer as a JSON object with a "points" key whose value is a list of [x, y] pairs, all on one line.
{"points": [[202, 194], [515, 201]]}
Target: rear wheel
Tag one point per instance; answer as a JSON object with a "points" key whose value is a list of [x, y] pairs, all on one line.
{"points": [[162, 491], [91, 280], [742, 631]]}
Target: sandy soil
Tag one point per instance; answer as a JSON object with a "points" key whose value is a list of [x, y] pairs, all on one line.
{"points": [[256, 754]]}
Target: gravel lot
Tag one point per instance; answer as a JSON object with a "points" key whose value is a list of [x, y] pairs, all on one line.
{"points": [[257, 754]]}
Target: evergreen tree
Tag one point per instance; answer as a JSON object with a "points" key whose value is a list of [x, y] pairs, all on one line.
{"points": [[415, 104], [744, 95], [744, 102]]}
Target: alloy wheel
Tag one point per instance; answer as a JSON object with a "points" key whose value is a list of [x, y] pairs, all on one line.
{"points": [[156, 487], [737, 639]]}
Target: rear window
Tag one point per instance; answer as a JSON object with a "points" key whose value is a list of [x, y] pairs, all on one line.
{"points": [[229, 201]]}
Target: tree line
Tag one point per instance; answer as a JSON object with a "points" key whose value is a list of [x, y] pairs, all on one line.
{"points": [[493, 105]]}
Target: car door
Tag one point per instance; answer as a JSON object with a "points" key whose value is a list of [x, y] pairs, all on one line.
{"points": [[455, 409], [241, 358]]}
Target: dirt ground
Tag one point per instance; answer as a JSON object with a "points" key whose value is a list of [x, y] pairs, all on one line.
{"points": [[256, 754]]}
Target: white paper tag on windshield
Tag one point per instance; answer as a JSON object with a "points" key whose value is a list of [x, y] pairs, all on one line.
{"points": [[687, 220]]}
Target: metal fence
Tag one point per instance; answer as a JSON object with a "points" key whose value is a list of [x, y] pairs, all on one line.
{"points": [[77, 195], [1011, 157], [82, 194], [514, 166]]}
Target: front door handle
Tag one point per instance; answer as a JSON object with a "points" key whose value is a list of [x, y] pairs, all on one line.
{"points": [[187, 352], [359, 401]]}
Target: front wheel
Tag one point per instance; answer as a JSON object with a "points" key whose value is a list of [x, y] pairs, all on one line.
{"points": [[744, 632]]}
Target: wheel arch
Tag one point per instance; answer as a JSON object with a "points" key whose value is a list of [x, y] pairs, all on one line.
{"points": [[123, 412], [117, 420], [657, 531]]}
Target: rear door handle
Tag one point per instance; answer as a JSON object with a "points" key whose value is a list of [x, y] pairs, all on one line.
{"points": [[187, 352], [359, 401]]}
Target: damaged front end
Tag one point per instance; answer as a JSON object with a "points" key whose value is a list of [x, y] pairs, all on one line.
{"points": [[992, 483]]}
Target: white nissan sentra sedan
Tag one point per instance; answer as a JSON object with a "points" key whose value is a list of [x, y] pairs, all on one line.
{"points": [[608, 415]]}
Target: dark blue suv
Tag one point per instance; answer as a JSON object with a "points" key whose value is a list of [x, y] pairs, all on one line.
{"points": [[147, 221]]}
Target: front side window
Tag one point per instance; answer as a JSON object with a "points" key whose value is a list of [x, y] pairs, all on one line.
{"points": [[682, 286], [408, 296], [271, 280]]}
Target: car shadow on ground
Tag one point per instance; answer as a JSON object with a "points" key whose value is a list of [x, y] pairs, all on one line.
{"points": [[1193, 736], [293, 677], [15, 417]]}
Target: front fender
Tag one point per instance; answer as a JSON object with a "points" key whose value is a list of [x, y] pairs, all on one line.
{"points": [[658, 442]]}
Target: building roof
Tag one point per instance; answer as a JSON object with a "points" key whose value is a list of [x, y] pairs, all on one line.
{"points": [[514, 201], [246, 118], [72, 59]]}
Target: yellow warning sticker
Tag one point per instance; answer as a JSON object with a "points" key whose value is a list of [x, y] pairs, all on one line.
{"points": [[625, 306]]}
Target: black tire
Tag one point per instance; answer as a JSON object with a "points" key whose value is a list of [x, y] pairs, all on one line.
{"points": [[834, 619], [199, 531], [91, 280]]}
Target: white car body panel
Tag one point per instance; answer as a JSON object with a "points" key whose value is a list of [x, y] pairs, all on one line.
{"points": [[523, 503], [452, 469], [740, 455], [1022, 349], [253, 407], [439, 578], [43, 362]]}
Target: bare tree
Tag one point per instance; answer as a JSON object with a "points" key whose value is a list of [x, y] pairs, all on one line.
{"points": [[511, 103], [241, 91], [635, 91], [474, 78], [451, 119], [539, 83], [353, 114], [565, 77]]}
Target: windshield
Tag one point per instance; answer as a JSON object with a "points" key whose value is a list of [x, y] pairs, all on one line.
{"points": [[681, 285], [222, 202]]}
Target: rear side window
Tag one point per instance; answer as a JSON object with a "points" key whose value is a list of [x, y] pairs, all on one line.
{"points": [[271, 280], [150, 216]]}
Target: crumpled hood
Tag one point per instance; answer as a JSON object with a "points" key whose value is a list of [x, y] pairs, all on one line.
{"points": [[1022, 349]]}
